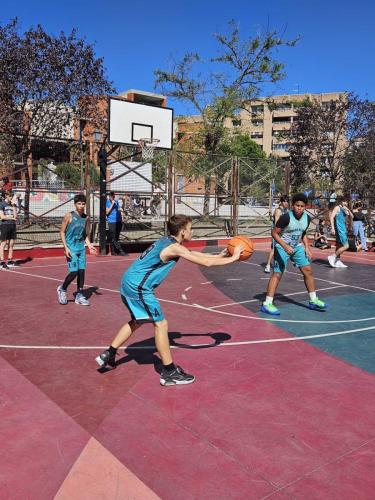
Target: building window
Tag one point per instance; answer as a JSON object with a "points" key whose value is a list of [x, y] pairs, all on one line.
{"points": [[256, 135], [280, 147], [281, 119], [180, 183], [285, 106], [257, 109], [280, 133], [257, 123], [236, 123]]}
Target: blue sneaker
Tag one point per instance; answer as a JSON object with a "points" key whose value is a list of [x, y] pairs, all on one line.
{"points": [[270, 309], [317, 305]]}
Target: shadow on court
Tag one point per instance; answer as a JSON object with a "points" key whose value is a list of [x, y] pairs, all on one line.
{"points": [[144, 351]]}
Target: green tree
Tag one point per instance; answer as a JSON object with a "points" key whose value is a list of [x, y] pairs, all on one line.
{"points": [[219, 88], [44, 84]]}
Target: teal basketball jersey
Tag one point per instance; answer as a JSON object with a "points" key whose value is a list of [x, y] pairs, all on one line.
{"points": [[75, 232], [148, 271], [292, 233]]}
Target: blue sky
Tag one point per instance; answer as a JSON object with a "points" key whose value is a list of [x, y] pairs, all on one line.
{"points": [[335, 53]]}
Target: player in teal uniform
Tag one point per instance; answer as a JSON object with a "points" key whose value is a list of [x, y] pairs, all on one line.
{"points": [[137, 293], [291, 243], [73, 233], [283, 208], [338, 218]]}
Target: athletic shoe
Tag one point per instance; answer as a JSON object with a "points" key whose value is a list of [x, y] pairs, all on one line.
{"points": [[61, 294], [317, 305], [105, 360], [81, 300], [175, 377], [332, 260], [270, 309], [267, 269], [3, 266], [339, 263], [12, 263]]}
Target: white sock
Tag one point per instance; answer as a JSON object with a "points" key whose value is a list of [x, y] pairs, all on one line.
{"points": [[312, 295], [268, 300]]}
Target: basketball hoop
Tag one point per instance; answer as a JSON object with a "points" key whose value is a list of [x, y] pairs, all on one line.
{"points": [[148, 147]]}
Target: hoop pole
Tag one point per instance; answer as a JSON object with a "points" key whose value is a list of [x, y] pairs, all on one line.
{"points": [[103, 194]]}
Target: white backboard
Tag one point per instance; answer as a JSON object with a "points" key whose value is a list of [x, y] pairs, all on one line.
{"points": [[130, 121]]}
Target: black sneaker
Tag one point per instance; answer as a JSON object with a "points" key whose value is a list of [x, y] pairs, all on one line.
{"points": [[3, 266], [176, 377], [13, 263], [105, 360]]}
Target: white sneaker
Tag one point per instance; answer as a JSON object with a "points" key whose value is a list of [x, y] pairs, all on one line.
{"points": [[267, 269], [61, 294], [332, 260], [81, 300], [339, 263]]}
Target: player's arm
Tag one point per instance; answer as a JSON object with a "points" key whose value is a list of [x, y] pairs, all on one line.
{"points": [[277, 214], [90, 245], [66, 221], [332, 219], [223, 253], [110, 208], [177, 250]]}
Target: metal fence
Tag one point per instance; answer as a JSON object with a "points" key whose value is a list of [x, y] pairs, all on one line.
{"points": [[224, 195]]}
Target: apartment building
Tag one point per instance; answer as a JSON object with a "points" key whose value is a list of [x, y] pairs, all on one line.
{"points": [[266, 119]]}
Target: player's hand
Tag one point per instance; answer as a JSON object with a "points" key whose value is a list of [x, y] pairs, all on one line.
{"points": [[289, 250], [68, 253], [92, 249], [224, 253], [333, 232], [237, 251]]}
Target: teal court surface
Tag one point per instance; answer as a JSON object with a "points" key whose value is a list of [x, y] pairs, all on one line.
{"points": [[282, 407]]}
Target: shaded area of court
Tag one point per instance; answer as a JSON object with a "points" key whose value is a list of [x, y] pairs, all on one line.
{"points": [[276, 418]]}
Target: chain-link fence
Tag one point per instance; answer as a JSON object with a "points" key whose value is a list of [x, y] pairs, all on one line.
{"points": [[224, 195]]}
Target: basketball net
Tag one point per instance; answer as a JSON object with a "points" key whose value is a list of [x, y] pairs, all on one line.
{"points": [[148, 148]]}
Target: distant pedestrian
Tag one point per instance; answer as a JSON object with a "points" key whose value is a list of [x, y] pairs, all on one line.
{"points": [[358, 229]]}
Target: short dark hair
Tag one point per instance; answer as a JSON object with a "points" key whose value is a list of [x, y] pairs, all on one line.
{"points": [[284, 198], [8, 193], [176, 223], [299, 197], [358, 204], [112, 193], [79, 197]]}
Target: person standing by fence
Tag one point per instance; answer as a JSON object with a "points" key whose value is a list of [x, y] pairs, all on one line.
{"points": [[8, 230], [114, 219], [358, 229]]}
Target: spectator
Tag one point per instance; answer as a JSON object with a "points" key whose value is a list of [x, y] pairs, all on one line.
{"points": [[114, 220], [354, 244], [320, 240], [358, 229], [8, 217]]}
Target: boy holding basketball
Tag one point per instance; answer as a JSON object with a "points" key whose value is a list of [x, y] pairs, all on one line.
{"points": [[73, 233], [291, 243], [137, 293]]}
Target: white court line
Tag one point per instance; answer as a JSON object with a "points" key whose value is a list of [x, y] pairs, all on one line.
{"points": [[223, 344], [283, 295], [198, 306], [317, 279], [187, 289], [87, 262]]}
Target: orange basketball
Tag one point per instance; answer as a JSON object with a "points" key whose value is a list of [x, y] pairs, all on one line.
{"points": [[245, 242]]}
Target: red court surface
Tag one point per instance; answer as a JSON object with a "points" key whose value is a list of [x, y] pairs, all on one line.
{"points": [[281, 408]]}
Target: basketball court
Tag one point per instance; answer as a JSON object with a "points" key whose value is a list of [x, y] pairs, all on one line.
{"points": [[281, 407]]}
